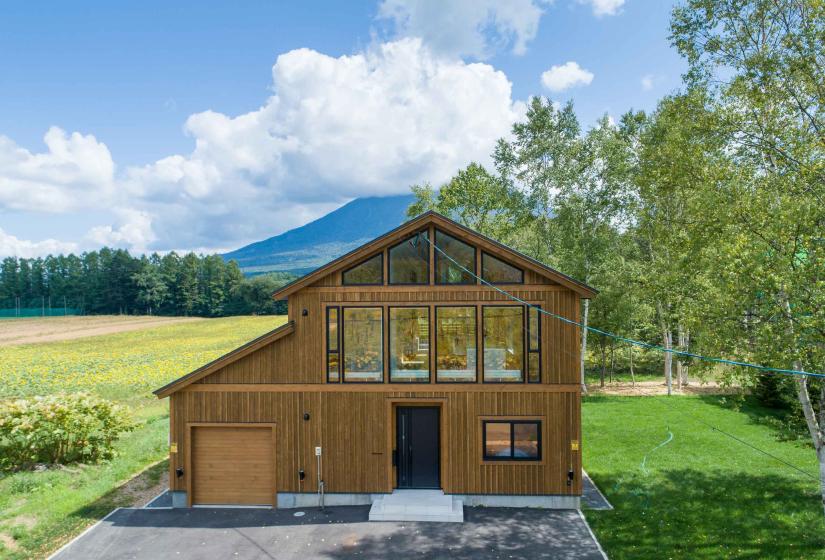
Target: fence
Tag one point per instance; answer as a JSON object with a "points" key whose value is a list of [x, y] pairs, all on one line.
{"points": [[40, 307]]}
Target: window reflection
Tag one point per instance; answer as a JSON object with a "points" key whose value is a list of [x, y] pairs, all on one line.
{"points": [[409, 344], [363, 344], [446, 270], [456, 344], [503, 343], [410, 261]]}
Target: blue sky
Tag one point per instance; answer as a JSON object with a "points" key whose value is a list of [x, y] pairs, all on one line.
{"points": [[167, 127]]}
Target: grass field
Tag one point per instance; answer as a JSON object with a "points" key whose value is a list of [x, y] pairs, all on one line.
{"points": [[702, 495], [41, 510]]}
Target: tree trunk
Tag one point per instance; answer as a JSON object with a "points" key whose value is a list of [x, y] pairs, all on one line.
{"points": [[667, 339], [612, 359], [604, 363], [584, 343], [632, 375], [814, 428]]}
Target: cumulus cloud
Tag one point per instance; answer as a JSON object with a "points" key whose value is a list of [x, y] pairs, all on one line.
{"points": [[11, 245], [648, 82], [604, 7], [565, 76], [74, 169], [473, 28], [334, 128]]}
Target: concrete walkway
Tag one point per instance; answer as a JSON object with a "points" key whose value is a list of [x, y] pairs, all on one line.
{"points": [[340, 532]]}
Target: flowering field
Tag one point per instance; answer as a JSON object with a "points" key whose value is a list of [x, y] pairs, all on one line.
{"points": [[124, 366]]}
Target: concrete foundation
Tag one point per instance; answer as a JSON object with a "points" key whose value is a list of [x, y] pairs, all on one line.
{"points": [[288, 500], [179, 499]]}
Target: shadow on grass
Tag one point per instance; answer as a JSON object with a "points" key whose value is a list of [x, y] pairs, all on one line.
{"points": [[705, 514], [123, 495]]}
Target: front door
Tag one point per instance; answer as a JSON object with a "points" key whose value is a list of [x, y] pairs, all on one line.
{"points": [[417, 445]]}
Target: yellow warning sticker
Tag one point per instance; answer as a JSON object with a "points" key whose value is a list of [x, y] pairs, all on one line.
{"points": [[574, 445], [173, 448]]}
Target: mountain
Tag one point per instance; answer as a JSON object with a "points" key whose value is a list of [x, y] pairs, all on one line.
{"points": [[307, 247]]}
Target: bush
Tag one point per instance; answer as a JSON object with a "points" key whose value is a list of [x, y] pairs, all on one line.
{"points": [[59, 429]]}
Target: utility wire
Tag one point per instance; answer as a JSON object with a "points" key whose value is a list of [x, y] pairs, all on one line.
{"points": [[623, 338]]}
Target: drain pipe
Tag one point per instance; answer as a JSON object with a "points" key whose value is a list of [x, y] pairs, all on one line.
{"points": [[320, 480]]}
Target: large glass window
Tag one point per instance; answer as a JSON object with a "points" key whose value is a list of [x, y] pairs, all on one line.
{"points": [[369, 272], [447, 271], [456, 344], [410, 261], [363, 347], [409, 344], [497, 271], [533, 345], [503, 328], [511, 440], [333, 344]]}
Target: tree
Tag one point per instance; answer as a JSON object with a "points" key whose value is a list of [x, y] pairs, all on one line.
{"points": [[151, 288]]}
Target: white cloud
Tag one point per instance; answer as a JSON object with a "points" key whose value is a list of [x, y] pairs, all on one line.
{"points": [[565, 76], [74, 169], [604, 7], [647, 82], [473, 28], [371, 123], [12, 246]]}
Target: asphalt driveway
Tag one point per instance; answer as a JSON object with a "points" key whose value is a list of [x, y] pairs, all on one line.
{"points": [[339, 532]]}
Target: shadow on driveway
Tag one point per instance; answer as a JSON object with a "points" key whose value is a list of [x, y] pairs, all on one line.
{"points": [[339, 532]]}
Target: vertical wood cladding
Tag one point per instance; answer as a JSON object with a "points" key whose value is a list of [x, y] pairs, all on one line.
{"points": [[354, 430]]}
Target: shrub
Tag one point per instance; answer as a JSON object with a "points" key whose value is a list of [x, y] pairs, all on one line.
{"points": [[59, 429]]}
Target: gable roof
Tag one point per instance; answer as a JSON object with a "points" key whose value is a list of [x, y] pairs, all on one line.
{"points": [[449, 226], [226, 359]]}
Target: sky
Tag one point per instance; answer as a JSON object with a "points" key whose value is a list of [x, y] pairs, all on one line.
{"points": [[204, 125]]}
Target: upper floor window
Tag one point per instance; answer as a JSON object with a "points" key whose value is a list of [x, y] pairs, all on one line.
{"points": [[534, 344], [503, 329], [409, 344], [496, 271], [333, 346], [368, 272], [363, 344], [461, 256], [409, 261]]}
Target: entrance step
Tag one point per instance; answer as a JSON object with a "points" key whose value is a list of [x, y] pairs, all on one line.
{"points": [[418, 505]]}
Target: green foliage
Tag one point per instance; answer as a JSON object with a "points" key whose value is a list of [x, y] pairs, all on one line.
{"points": [[59, 429]]}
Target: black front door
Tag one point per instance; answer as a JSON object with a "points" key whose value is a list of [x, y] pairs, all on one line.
{"points": [[417, 447]]}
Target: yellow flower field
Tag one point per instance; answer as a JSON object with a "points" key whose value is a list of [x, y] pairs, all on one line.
{"points": [[124, 366]]}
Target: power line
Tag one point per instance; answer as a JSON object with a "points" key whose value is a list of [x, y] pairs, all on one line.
{"points": [[623, 338]]}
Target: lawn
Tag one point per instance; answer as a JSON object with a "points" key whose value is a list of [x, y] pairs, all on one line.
{"points": [[41, 510], [702, 495]]}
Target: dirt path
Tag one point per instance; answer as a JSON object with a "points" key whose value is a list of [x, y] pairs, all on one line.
{"points": [[647, 388], [53, 329]]}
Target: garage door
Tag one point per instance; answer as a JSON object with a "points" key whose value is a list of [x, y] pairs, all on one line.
{"points": [[232, 466]]}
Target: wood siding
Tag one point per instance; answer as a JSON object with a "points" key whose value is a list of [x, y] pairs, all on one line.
{"points": [[355, 431]]}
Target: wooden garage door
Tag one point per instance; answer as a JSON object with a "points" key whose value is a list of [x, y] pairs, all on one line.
{"points": [[233, 465]]}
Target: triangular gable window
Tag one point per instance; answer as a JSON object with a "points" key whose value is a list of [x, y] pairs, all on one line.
{"points": [[496, 271], [368, 273]]}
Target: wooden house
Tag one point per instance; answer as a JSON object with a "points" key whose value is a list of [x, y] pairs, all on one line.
{"points": [[397, 369]]}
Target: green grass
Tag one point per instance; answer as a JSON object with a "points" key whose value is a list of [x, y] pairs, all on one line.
{"points": [[702, 495], [39, 511]]}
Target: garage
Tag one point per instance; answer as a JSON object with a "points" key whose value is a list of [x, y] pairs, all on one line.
{"points": [[232, 464]]}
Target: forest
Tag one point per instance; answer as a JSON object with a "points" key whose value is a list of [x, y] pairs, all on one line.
{"points": [[702, 223], [111, 281]]}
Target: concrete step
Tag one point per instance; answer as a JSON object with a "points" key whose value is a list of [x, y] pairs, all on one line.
{"points": [[418, 505]]}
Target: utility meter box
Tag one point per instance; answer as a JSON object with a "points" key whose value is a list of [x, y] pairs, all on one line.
{"points": [[317, 451]]}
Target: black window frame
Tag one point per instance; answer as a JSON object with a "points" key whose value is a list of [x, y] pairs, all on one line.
{"points": [[437, 257], [389, 343], [508, 263], [339, 342], [530, 349], [343, 354], [426, 282], [435, 343], [524, 342], [512, 456], [379, 283]]}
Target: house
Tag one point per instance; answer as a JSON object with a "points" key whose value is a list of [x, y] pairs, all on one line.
{"points": [[397, 369]]}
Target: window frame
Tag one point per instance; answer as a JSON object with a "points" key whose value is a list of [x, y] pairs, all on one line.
{"points": [[524, 343], [389, 343], [343, 354], [528, 348], [435, 344], [436, 254], [339, 342], [508, 263], [380, 283], [513, 421], [427, 275]]}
